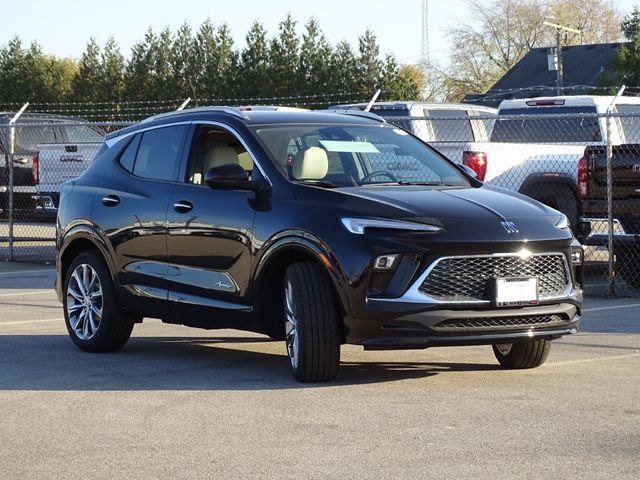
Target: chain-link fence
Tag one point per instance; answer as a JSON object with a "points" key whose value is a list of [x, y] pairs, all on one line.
{"points": [[38, 153], [565, 160]]}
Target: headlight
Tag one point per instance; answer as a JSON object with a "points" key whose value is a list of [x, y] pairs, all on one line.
{"points": [[358, 225], [563, 222]]}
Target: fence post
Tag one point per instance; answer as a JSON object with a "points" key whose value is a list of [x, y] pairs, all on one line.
{"points": [[612, 272], [12, 148]]}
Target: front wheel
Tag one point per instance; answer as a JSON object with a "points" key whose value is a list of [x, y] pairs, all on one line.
{"points": [[311, 323], [94, 319], [529, 354]]}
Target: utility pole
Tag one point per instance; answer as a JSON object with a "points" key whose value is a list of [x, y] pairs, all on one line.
{"points": [[424, 57], [559, 30]]}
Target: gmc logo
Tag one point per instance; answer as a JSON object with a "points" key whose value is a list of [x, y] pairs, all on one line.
{"points": [[635, 168]]}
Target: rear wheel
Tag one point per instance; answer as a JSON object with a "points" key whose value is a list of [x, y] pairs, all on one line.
{"points": [[522, 355], [311, 323], [93, 316]]}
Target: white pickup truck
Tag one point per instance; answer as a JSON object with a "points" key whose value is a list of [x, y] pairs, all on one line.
{"points": [[447, 127], [536, 143], [55, 163]]}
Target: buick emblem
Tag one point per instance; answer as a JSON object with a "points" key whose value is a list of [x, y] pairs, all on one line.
{"points": [[510, 227], [635, 168]]}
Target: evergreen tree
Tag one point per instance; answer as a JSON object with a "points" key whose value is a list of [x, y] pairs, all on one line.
{"points": [[314, 69], [345, 70], [162, 77], [631, 25], [88, 82], [12, 71], [112, 86], [254, 64], [370, 67], [284, 52], [227, 62], [140, 69], [182, 61]]}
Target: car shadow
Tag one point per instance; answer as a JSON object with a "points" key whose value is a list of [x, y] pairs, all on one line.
{"points": [[51, 362]]}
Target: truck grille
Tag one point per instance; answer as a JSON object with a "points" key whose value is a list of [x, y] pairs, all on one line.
{"points": [[527, 321], [469, 279]]}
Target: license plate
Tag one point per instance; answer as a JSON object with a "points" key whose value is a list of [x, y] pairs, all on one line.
{"points": [[516, 291]]}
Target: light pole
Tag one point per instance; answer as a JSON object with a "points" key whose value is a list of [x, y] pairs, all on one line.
{"points": [[559, 29]]}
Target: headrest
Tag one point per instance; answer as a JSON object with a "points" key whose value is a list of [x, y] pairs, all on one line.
{"points": [[219, 155], [313, 165]]}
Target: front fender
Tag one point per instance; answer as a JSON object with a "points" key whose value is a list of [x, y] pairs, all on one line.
{"points": [[302, 241]]}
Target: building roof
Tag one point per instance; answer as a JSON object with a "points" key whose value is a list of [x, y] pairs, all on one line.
{"points": [[531, 77]]}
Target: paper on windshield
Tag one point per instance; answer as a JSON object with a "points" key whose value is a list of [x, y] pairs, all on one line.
{"points": [[349, 147]]}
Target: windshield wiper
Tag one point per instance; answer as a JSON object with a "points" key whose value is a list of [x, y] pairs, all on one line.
{"points": [[319, 183]]}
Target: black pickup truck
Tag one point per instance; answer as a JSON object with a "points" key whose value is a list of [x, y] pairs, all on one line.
{"points": [[592, 186]]}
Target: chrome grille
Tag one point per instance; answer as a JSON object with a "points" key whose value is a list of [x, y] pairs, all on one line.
{"points": [[527, 321], [469, 279]]}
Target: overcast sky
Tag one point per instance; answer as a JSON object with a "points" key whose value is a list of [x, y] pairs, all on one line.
{"points": [[64, 27]]}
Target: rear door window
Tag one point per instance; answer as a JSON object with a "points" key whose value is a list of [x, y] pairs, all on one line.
{"points": [[158, 156]]}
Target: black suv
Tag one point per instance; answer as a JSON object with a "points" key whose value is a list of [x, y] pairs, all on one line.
{"points": [[319, 228]]}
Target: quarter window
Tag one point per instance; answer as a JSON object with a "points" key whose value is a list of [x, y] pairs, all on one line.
{"points": [[128, 157]]}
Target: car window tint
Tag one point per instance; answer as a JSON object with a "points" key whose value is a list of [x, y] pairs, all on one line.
{"points": [[158, 156], [128, 157]]}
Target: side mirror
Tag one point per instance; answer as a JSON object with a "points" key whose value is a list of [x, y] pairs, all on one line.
{"points": [[468, 170], [230, 176]]}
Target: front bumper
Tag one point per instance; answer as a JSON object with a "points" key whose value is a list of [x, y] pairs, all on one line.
{"points": [[457, 327]]}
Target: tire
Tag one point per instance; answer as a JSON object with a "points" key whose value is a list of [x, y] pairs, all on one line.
{"points": [[530, 354], [312, 334], [93, 316], [627, 265]]}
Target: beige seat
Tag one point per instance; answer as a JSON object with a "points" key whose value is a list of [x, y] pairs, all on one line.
{"points": [[313, 164], [219, 155]]}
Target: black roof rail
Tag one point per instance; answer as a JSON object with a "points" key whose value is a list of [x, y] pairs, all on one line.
{"points": [[355, 113], [220, 109]]}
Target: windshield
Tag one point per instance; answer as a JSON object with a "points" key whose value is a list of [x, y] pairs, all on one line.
{"points": [[352, 155], [537, 125]]}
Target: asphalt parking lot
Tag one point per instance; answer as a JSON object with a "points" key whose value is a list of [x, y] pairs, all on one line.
{"points": [[186, 403]]}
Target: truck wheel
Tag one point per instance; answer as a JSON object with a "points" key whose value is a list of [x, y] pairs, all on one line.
{"points": [[93, 316], [529, 354], [311, 323], [559, 197], [628, 266]]}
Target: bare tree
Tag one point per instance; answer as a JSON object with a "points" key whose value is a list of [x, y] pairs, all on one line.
{"points": [[500, 32], [598, 20]]}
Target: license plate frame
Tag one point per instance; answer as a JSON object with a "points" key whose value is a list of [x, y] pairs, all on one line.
{"points": [[515, 291]]}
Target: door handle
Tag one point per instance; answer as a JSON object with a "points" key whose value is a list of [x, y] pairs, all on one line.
{"points": [[111, 200], [183, 206]]}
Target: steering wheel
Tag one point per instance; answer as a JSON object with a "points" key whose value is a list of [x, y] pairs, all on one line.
{"points": [[378, 173]]}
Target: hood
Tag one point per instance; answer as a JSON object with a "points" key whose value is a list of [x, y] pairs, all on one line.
{"points": [[475, 213]]}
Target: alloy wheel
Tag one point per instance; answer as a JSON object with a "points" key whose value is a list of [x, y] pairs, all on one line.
{"points": [[84, 302], [292, 336]]}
